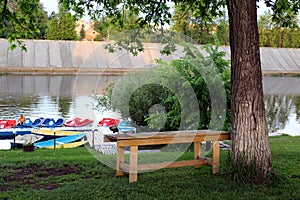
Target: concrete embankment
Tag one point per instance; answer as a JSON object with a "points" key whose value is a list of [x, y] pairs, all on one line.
{"points": [[73, 57]]}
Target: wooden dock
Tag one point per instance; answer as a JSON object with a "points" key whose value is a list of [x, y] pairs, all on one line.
{"points": [[96, 141]]}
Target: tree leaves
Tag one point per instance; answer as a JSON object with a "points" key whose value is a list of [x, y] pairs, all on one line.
{"points": [[284, 11], [19, 20], [62, 26]]}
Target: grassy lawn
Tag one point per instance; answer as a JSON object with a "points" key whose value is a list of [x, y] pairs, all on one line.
{"points": [[76, 174]]}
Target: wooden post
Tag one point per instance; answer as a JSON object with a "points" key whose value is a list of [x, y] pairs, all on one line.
{"points": [[14, 134], [93, 134], [216, 157], [120, 159], [54, 145], [197, 152], [133, 164]]}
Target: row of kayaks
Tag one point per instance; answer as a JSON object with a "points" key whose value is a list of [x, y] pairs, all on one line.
{"points": [[112, 123], [59, 137], [44, 122]]}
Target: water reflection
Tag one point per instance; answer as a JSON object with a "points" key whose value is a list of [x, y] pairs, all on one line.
{"points": [[282, 103], [278, 109], [19, 86], [297, 107], [49, 96], [71, 96], [35, 106]]}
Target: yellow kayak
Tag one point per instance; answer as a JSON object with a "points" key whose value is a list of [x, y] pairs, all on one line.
{"points": [[56, 133], [68, 145]]}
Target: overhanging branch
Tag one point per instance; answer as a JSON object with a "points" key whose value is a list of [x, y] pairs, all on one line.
{"points": [[4, 7]]}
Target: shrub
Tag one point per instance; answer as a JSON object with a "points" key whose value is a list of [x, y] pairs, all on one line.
{"points": [[177, 95]]}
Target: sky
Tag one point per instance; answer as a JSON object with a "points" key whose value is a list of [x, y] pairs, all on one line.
{"points": [[51, 5]]}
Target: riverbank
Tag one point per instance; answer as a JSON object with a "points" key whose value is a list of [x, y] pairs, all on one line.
{"points": [[109, 71], [63, 71], [76, 174]]}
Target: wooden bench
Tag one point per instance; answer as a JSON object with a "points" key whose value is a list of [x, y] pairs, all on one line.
{"points": [[159, 138]]}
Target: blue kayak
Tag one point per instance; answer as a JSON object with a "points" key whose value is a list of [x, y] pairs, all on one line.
{"points": [[126, 126], [10, 133], [59, 141], [28, 123], [51, 123]]}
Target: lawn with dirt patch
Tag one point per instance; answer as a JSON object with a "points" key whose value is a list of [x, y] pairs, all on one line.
{"points": [[76, 174]]}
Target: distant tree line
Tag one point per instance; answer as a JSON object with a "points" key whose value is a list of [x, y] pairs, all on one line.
{"points": [[61, 26], [280, 37], [278, 34], [201, 29]]}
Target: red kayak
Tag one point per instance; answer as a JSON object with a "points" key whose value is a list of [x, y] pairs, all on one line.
{"points": [[78, 122], [7, 123], [109, 122]]}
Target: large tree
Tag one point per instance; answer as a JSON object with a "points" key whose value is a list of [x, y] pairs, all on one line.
{"points": [[249, 126]]}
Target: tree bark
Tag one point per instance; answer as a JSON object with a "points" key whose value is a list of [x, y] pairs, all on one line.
{"points": [[249, 126]]}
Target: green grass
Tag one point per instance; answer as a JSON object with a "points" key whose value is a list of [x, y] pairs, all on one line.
{"points": [[296, 75], [4, 73], [76, 174], [283, 74]]}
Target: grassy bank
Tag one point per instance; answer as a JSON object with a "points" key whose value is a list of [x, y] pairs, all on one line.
{"points": [[76, 174]]}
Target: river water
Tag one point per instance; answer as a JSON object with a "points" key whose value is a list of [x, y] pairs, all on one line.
{"points": [[72, 96]]}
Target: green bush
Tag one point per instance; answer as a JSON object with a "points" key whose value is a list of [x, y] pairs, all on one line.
{"points": [[187, 93]]}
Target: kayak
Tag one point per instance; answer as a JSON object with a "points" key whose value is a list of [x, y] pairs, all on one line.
{"points": [[50, 122], [59, 141], [7, 123], [51, 132], [78, 122], [109, 122], [28, 123]]}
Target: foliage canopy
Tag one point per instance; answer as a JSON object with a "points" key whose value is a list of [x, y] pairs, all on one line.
{"points": [[21, 20]]}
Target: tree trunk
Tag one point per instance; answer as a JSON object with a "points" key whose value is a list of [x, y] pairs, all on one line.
{"points": [[249, 125]]}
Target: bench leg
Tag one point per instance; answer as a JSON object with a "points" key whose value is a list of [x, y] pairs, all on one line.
{"points": [[120, 159], [133, 164], [216, 157], [197, 152]]}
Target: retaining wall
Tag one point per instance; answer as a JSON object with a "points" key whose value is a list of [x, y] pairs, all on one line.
{"points": [[43, 54]]}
